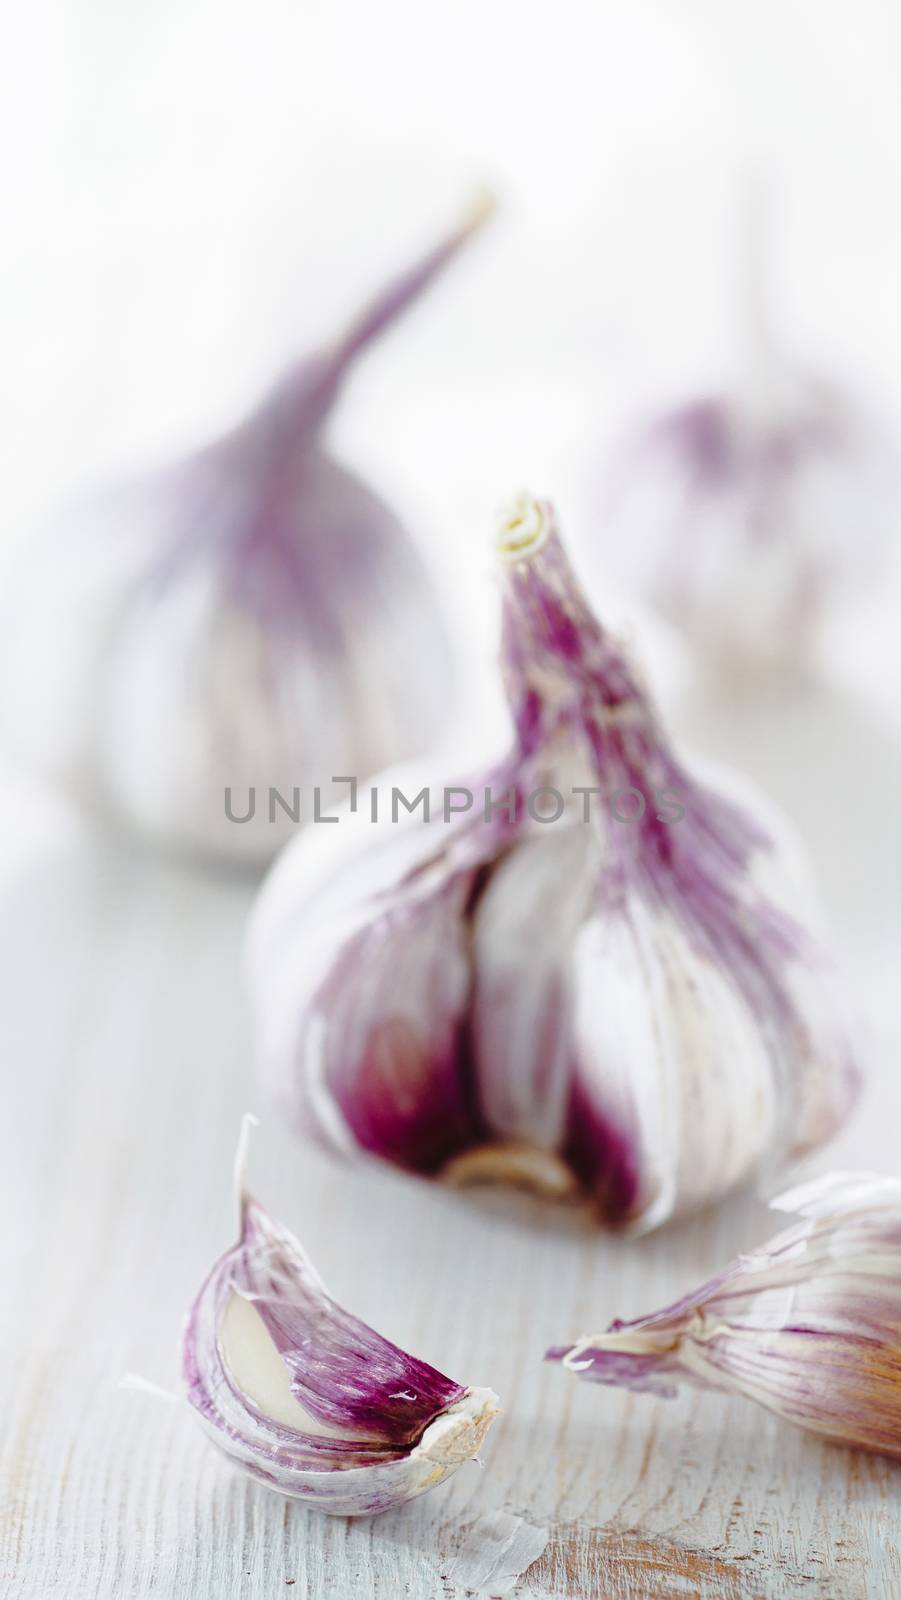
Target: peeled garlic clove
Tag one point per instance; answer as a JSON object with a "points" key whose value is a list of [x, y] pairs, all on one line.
{"points": [[239, 622], [808, 1325], [308, 1399], [621, 999]]}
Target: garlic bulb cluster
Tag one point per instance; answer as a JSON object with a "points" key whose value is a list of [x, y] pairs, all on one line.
{"points": [[241, 621], [740, 516], [808, 1325], [308, 1399], [588, 970]]}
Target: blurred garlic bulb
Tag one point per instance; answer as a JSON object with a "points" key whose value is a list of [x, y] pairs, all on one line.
{"points": [[588, 970], [808, 1325], [742, 515], [243, 619], [309, 1400]]}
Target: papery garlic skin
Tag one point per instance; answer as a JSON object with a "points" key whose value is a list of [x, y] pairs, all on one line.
{"points": [[245, 619], [809, 1325], [308, 1399], [634, 1011], [742, 517]]}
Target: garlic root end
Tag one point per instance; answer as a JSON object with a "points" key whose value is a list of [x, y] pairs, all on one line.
{"points": [[513, 1162], [458, 1435]]}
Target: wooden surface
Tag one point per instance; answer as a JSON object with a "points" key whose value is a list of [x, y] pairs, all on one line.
{"points": [[126, 1069]]}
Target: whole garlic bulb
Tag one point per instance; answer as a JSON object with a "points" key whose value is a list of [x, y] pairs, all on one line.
{"points": [[242, 620], [743, 514], [590, 969], [741, 524]]}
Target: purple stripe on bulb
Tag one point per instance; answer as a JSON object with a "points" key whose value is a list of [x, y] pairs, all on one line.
{"points": [[602, 1156]]}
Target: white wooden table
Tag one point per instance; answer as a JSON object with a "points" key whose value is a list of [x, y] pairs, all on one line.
{"points": [[126, 1068]]}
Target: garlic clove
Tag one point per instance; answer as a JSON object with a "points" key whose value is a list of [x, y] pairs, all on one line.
{"points": [[523, 929], [388, 1030], [309, 1400], [373, 984], [242, 620], [808, 1325], [633, 1004], [672, 1060]]}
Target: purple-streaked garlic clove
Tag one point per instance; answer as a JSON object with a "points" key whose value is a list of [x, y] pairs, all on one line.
{"points": [[243, 620], [309, 1400], [808, 1325], [624, 1002]]}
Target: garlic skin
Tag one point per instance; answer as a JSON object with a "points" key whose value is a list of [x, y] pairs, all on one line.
{"points": [[309, 1400], [742, 515], [242, 619], [808, 1325], [631, 1011]]}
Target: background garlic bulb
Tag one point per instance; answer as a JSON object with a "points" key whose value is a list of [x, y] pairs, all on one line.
{"points": [[808, 1325], [742, 514], [245, 617], [589, 969]]}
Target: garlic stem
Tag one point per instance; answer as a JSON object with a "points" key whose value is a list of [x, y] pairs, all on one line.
{"points": [[754, 273], [239, 1169], [522, 528], [625, 1341], [401, 291]]}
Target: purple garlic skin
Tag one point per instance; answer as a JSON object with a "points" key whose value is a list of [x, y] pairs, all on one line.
{"points": [[742, 515], [241, 620], [309, 1400], [631, 1010], [808, 1325]]}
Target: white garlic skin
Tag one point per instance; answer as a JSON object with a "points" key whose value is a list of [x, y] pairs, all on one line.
{"points": [[743, 517]]}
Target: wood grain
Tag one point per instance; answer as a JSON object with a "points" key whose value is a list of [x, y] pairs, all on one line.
{"points": [[127, 1068]]}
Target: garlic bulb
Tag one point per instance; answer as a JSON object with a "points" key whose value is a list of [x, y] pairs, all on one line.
{"points": [[744, 514], [241, 621], [741, 525], [589, 970], [308, 1399], [808, 1325]]}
